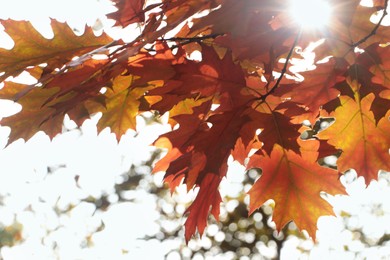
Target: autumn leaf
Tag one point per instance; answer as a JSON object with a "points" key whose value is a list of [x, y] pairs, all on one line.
{"points": [[208, 197], [32, 49], [238, 98], [129, 11], [214, 77], [121, 106], [351, 26], [364, 144], [381, 70], [294, 182], [275, 129], [360, 27], [34, 116], [197, 150], [247, 30], [83, 75], [317, 88], [176, 140]]}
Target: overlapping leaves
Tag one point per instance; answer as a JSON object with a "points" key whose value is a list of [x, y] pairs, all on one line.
{"points": [[32, 49], [238, 100]]}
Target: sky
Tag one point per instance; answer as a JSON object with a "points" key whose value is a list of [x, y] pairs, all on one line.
{"points": [[30, 195]]}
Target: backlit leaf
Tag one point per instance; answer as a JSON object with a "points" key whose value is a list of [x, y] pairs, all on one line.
{"points": [[31, 48], [121, 106], [129, 11], [35, 116], [364, 144], [222, 71], [294, 182]]}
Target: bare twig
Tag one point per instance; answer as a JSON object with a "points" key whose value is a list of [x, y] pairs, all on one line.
{"points": [[374, 30]]}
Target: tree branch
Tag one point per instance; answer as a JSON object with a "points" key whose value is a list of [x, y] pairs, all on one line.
{"points": [[184, 40], [46, 78], [373, 32], [193, 39], [284, 70]]}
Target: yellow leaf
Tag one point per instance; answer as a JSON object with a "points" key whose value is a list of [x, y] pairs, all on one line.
{"points": [[32, 49]]}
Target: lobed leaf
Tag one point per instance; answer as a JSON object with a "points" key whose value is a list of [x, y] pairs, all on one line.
{"points": [[32, 49], [237, 99], [364, 144], [294, 182]]}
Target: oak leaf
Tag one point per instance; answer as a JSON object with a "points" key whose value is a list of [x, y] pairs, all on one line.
{"points": [[34, 116], [294, 182], [129, 11], [121, 106], [32, 49], [240, 97], [364, 144], [317, 88], [381, 70]]}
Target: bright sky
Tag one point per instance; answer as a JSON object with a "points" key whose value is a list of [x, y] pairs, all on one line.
{"points": [[29, 193], [97, 161]]}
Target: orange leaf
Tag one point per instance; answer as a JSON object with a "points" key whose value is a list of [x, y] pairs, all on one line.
{"points": [[364, 144], [294, 182], [34, 116], [31, 48]]}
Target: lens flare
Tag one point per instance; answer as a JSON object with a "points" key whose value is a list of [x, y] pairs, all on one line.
{"points": [[312, 14]]}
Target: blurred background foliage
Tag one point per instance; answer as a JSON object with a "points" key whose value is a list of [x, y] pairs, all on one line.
{"points": [[75, 210], [84, 196]]}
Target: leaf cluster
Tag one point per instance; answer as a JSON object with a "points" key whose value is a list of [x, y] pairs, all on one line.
{"points": [[243, 97]]}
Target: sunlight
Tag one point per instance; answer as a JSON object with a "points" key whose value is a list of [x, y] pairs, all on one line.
{"points": [[83, 195], [311, 14]]}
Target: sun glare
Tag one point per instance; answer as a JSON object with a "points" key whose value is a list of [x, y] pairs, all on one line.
{"points": [[312, 14]]}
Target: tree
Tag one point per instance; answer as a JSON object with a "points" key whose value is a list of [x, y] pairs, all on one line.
{"points": [[243, 97]]}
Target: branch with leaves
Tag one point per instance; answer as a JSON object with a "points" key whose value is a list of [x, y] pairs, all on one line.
{"points": [[375, 29], [210, 103]]}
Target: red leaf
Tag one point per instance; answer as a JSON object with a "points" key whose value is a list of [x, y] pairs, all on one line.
{"points": [[276, 129], [317, 88], [129, 11], [208, 199], [381, 71]]}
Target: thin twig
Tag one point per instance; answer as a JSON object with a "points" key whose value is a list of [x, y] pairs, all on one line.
{"points": [[184, 41], [284, 70], [193, 39], [48, 77], [373, 32]]}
